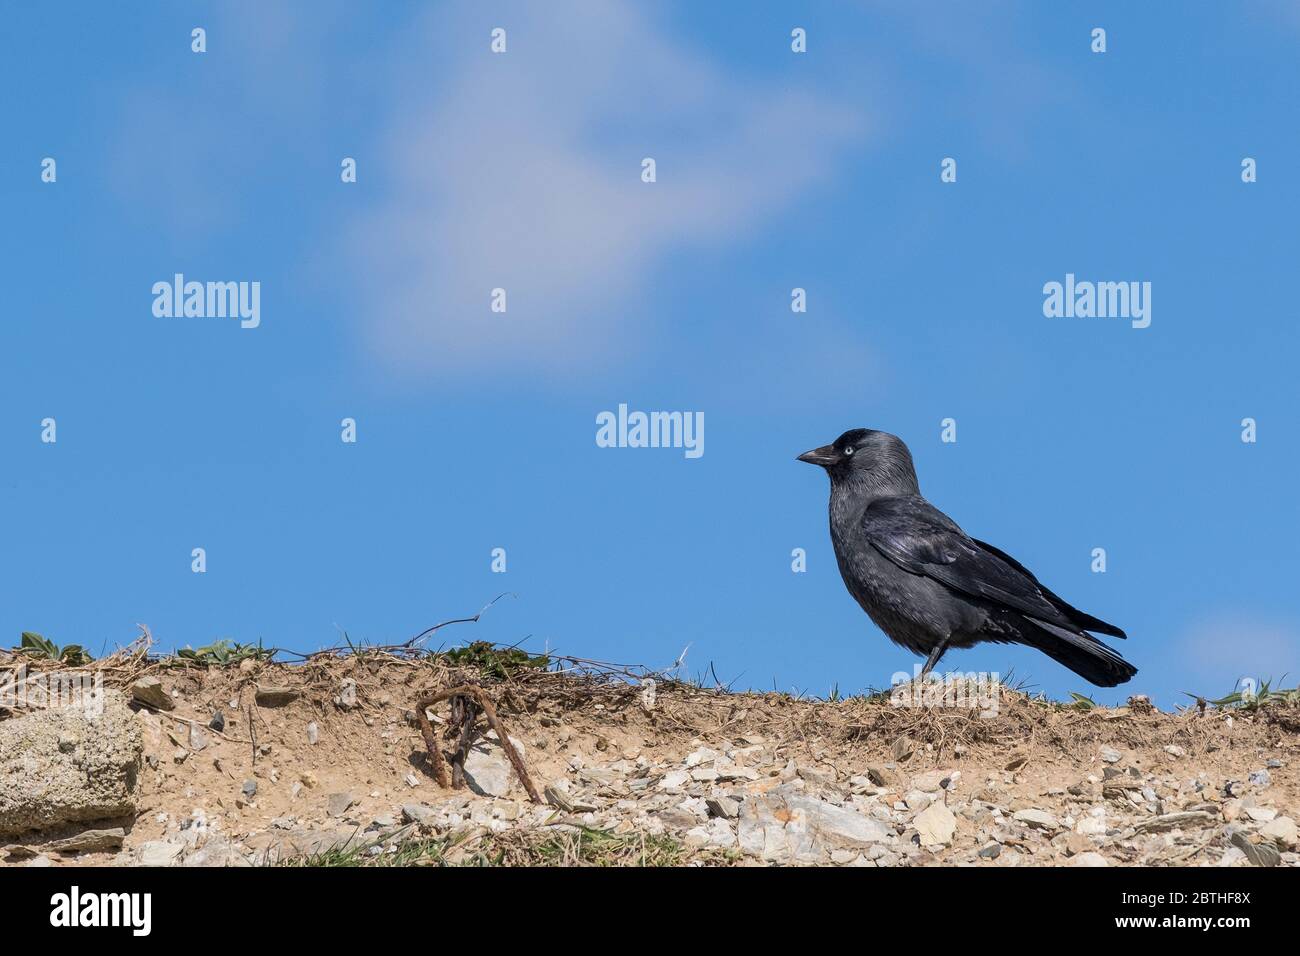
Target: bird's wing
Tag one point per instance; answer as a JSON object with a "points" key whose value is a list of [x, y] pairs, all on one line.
{"points": [[921, 539], [1080, 618]]}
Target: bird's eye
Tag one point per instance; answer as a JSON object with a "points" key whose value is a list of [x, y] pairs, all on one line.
{"points": [[848, 452]]}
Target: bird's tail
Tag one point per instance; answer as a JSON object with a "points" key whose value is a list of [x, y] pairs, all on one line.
{"points": [[1082, 653]]}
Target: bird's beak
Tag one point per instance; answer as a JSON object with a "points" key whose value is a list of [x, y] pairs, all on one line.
{"points": [[824, 456]]}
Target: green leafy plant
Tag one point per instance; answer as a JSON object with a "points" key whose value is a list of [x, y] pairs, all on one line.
{"points": [[224, 653], [1244, 699], [42, 648], [494, 662]]}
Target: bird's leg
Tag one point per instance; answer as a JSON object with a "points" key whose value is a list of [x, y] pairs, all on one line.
{"points": [[934, 657]]}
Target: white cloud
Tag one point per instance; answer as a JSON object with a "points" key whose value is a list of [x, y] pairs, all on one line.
{"points": [[522, 171]]}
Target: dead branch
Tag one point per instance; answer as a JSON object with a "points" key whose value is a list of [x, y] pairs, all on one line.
{"points": [[477, 695]]}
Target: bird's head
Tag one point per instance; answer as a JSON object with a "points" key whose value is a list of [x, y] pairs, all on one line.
{"points": [[876, 461]]}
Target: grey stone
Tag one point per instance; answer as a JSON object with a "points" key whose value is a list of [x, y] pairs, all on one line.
{"points": [[1259, 854], [339, 803], [218, 722], [1170, 821], [1111, 755], [347, 696], [89, 841], [1281, 830], [158, 853], [917, 800], [724, 807], [1036, 819], [150, 691], [275, 695], [1260, 778], [217, 852], [272, 845], [931, 781], [784, 825], [935, 825], [488, 771], [1090, 858], [883, 776], [419, 814], [313, 733], [249, 789], [674, 780], [42, 786], [198, 739]]}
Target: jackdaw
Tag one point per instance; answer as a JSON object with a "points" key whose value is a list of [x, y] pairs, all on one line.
{"points": [[928, 585]]}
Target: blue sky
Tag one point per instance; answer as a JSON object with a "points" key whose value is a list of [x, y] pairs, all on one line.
{"points": [[522, 170]]}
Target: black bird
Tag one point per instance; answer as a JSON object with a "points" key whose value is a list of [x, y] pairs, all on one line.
{"points": [[928, 585]]}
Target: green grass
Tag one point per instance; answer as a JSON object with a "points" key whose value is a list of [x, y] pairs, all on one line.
{"points": [[586, 847], [590, 847]]}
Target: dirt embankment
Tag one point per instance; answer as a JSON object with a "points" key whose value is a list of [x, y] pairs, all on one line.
{"points": [[324, 762]]}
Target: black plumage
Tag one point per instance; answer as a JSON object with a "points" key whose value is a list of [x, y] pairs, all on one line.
{"points": [[931, 587]]}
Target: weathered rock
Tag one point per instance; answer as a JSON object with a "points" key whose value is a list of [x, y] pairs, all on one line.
{"points": [[43, 784], [935, 825], [1282, 831], [275, 695], [917, 800], [883, 776], [1259, 854], [724, 807], [1110, 755], [674, 780], [1091, 858], [338, 804], [931, 781], [217, 852], [313, 733], [347, 695], [785, 825], [89, 841], [1037, 819], [273, 845], [419, 814], [158, 853], [1260, 778], [488, 771], [1171, 821], [198, 739], [150, 691]]}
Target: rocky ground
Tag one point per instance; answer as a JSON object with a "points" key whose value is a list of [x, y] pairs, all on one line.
{"points": [[323, 763]]}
